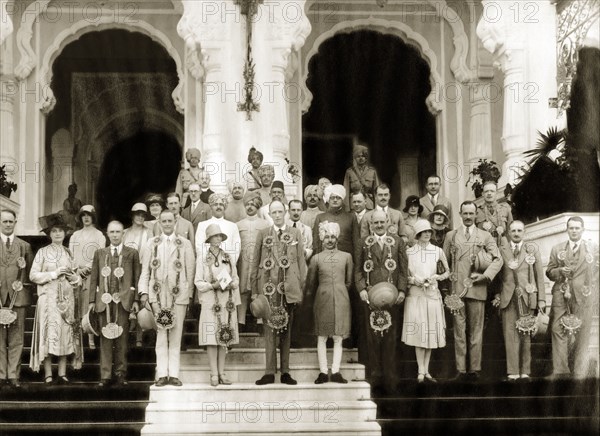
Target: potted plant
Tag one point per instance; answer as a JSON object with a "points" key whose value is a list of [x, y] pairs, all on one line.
{"points": [[485, 171], [6, 186]]}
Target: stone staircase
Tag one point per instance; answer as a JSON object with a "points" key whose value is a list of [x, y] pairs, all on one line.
{"points": [[244, 408]]}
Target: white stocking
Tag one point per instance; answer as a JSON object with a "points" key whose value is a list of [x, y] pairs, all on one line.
{"points": [[337, 354], [322, 353]]}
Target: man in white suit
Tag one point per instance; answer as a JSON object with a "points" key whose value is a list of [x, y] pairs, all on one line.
{"points": [[433, 198], [167, 282]]}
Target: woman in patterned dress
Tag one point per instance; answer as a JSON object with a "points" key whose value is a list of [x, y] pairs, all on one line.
{"points": [[424, 322], [218, 289], [54, 331]]}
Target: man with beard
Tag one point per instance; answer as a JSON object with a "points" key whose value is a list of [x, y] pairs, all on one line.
{"points": [[311, 197]]}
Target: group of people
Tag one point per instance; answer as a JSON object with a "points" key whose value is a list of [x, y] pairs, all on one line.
{"points": [[344, 251]]}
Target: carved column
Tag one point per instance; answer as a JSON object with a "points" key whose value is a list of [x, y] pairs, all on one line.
{"points": [[481, 123], [62, 167]]}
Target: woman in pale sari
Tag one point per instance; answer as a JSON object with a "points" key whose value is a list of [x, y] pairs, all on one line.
{"points": [[56, 331]]}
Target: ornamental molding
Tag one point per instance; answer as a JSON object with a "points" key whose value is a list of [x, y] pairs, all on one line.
{"points": [[24, 35], [293, 32], [397, 28], [82, 27], [6, 24]]}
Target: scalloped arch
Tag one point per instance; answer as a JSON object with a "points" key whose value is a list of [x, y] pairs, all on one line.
{"points": [[82, 27], [402, 30]]}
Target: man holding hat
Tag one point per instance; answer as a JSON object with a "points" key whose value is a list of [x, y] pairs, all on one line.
{"points": [[197, 211], [236, 210], [15, 263], [521, 294], [361, 177], [311, 197], [277, 193], [83, 244], [381, 258], [167, 282], [395, 220], [248, 228], [278, 271], [433, 198], [113, 283]]}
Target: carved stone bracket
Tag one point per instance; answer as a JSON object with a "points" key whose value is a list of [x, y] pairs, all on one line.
{"points": [[24, 35], [6, 24]]}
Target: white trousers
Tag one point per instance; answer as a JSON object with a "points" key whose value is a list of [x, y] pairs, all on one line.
{"points": [[322, 354], [168, 345]]}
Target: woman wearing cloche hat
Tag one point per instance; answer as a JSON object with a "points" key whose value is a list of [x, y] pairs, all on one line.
{"points": [[412, 210], [424, 322], [218, 290]]}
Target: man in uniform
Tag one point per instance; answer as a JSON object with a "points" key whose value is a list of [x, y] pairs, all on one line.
{"points": [[15, 263], [278, 269], [573, 267], [381, 358], [433, 198], [113, 295], [394, 217], [522, 292], [167, 282], [474, 262], [197, 211], [493, 217], [183, 227]]}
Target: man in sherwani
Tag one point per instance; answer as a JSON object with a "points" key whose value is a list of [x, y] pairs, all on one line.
{"points": [[474, 261], [433, 198], [15, 295], [183, 227], [113, 295], [167, 282], [394, 217], [522, 293], [248, 228], [278, 269], [197, 211], [381, 359], [573, 267]]}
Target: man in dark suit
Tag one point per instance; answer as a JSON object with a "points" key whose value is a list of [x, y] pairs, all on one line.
{"points": [[15, 262], [113, 295], [395, 220], [197, 211], [433, 198], [378, 248], [573, 267], [474, 261], [522, 293], [278, 270]]}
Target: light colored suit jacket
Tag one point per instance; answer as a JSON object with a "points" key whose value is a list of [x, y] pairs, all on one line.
{"points": [[428, 207], [461, 255], [166, 273], [295, 274], [523, 273], [183, 228], [9, 271], [584, 267], [395, 219], [130, 262]]}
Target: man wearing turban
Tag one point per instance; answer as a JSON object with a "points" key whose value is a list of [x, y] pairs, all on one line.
{"points": [[361, 177], [311, 197]]}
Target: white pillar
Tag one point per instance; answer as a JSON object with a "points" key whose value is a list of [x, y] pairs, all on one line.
{"points": [[480, 131], [62, 167], [6, 25]]}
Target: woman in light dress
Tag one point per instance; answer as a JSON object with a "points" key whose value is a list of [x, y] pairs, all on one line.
{"points": [[54, 332], [424, 323], [83, 244], [218, 289]]}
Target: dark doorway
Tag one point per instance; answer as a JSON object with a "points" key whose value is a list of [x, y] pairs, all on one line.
{"points": [[371, 88], [149, 161]]}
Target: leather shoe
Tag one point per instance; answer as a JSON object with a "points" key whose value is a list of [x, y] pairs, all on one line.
{"points": [[105, 382], [459, 377], [337, 378], [510, 379], [322, 378], [287, 379], [162, 381], [121, 380], [474, 376], [266, 379], [174, 381], [14, 382]]}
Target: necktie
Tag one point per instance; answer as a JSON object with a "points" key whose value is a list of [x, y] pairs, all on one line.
{"points": [[8, 243], [115, 252], [294, 225], [575, 247], [380, 242], [433, 201], [279, 233], [516, 251], [467, 233]]}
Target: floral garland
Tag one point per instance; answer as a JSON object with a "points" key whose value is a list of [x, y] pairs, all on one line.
{"points": [[379, 319], [279, 318], [7, 315], [165, 318], [225, 331]]}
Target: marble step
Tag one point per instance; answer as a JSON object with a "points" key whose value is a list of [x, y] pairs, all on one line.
{"points": [[249, 373], [369, 428], [257, 355], [248, 392], [262, 412]]}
